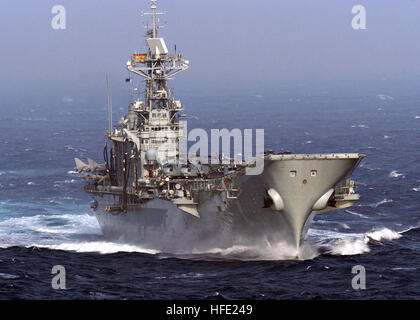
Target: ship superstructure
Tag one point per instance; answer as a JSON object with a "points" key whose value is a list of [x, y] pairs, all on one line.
{"points": [[146, 182]]}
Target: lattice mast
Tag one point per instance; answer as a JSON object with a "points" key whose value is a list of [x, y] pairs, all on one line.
{"points": [[157, 66]]}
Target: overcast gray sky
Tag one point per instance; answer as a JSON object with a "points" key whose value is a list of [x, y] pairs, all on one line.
{"points": [[244, 44]]}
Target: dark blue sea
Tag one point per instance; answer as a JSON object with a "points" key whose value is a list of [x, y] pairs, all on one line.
{"points": [[46, 220]]}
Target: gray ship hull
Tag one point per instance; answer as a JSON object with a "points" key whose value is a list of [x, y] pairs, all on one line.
{"points": [[299, 180]]}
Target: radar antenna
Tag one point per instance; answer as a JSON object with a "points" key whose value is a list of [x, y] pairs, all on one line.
{"points": [[153, 29]]}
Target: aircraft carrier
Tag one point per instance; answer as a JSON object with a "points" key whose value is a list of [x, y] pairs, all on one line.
{"points": [[149, 191]]}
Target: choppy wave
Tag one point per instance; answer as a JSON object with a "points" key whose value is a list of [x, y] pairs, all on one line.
{"points": [[353, 245], [45, 229], [359, 126], [377, 204], [349, 246], [103, 247], [383, 234], [356, 214], [260, 251], [71, 233], [8, 276], [396, 174]]}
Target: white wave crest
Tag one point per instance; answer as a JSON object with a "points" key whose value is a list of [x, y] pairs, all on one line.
{"points": [[37, 230], [263, 251], [357, 214], [102, 247], [8, 276], [349, 246], [377, 204], [359, 126], [383, 234], [396, 174], [353, 245]]}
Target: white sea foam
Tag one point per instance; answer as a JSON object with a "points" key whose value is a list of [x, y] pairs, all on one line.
{"points": [[71, 232], [416, 189], [263, 251], [8, 276], [345, 226], [38, 229], [396, 174], [357, 214], [404, 268], [383, 234], [377, 204], [186, 275], [102, 247], [359, 244], [349, 246]]}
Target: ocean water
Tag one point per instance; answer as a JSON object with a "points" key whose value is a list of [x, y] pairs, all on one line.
{"points": [[45, 218]]}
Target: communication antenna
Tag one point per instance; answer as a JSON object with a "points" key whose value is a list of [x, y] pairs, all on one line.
{"points": [[153, 29], [109, 104]]}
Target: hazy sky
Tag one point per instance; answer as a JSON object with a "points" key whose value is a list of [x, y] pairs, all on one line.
{"points": [[246, 44]]}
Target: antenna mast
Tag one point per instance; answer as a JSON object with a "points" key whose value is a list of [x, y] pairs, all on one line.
{"points": [[155, 26], [153, 6], [109, 104]]}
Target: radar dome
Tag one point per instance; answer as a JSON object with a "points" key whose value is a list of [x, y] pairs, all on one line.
{"points": [[151, 155]]}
